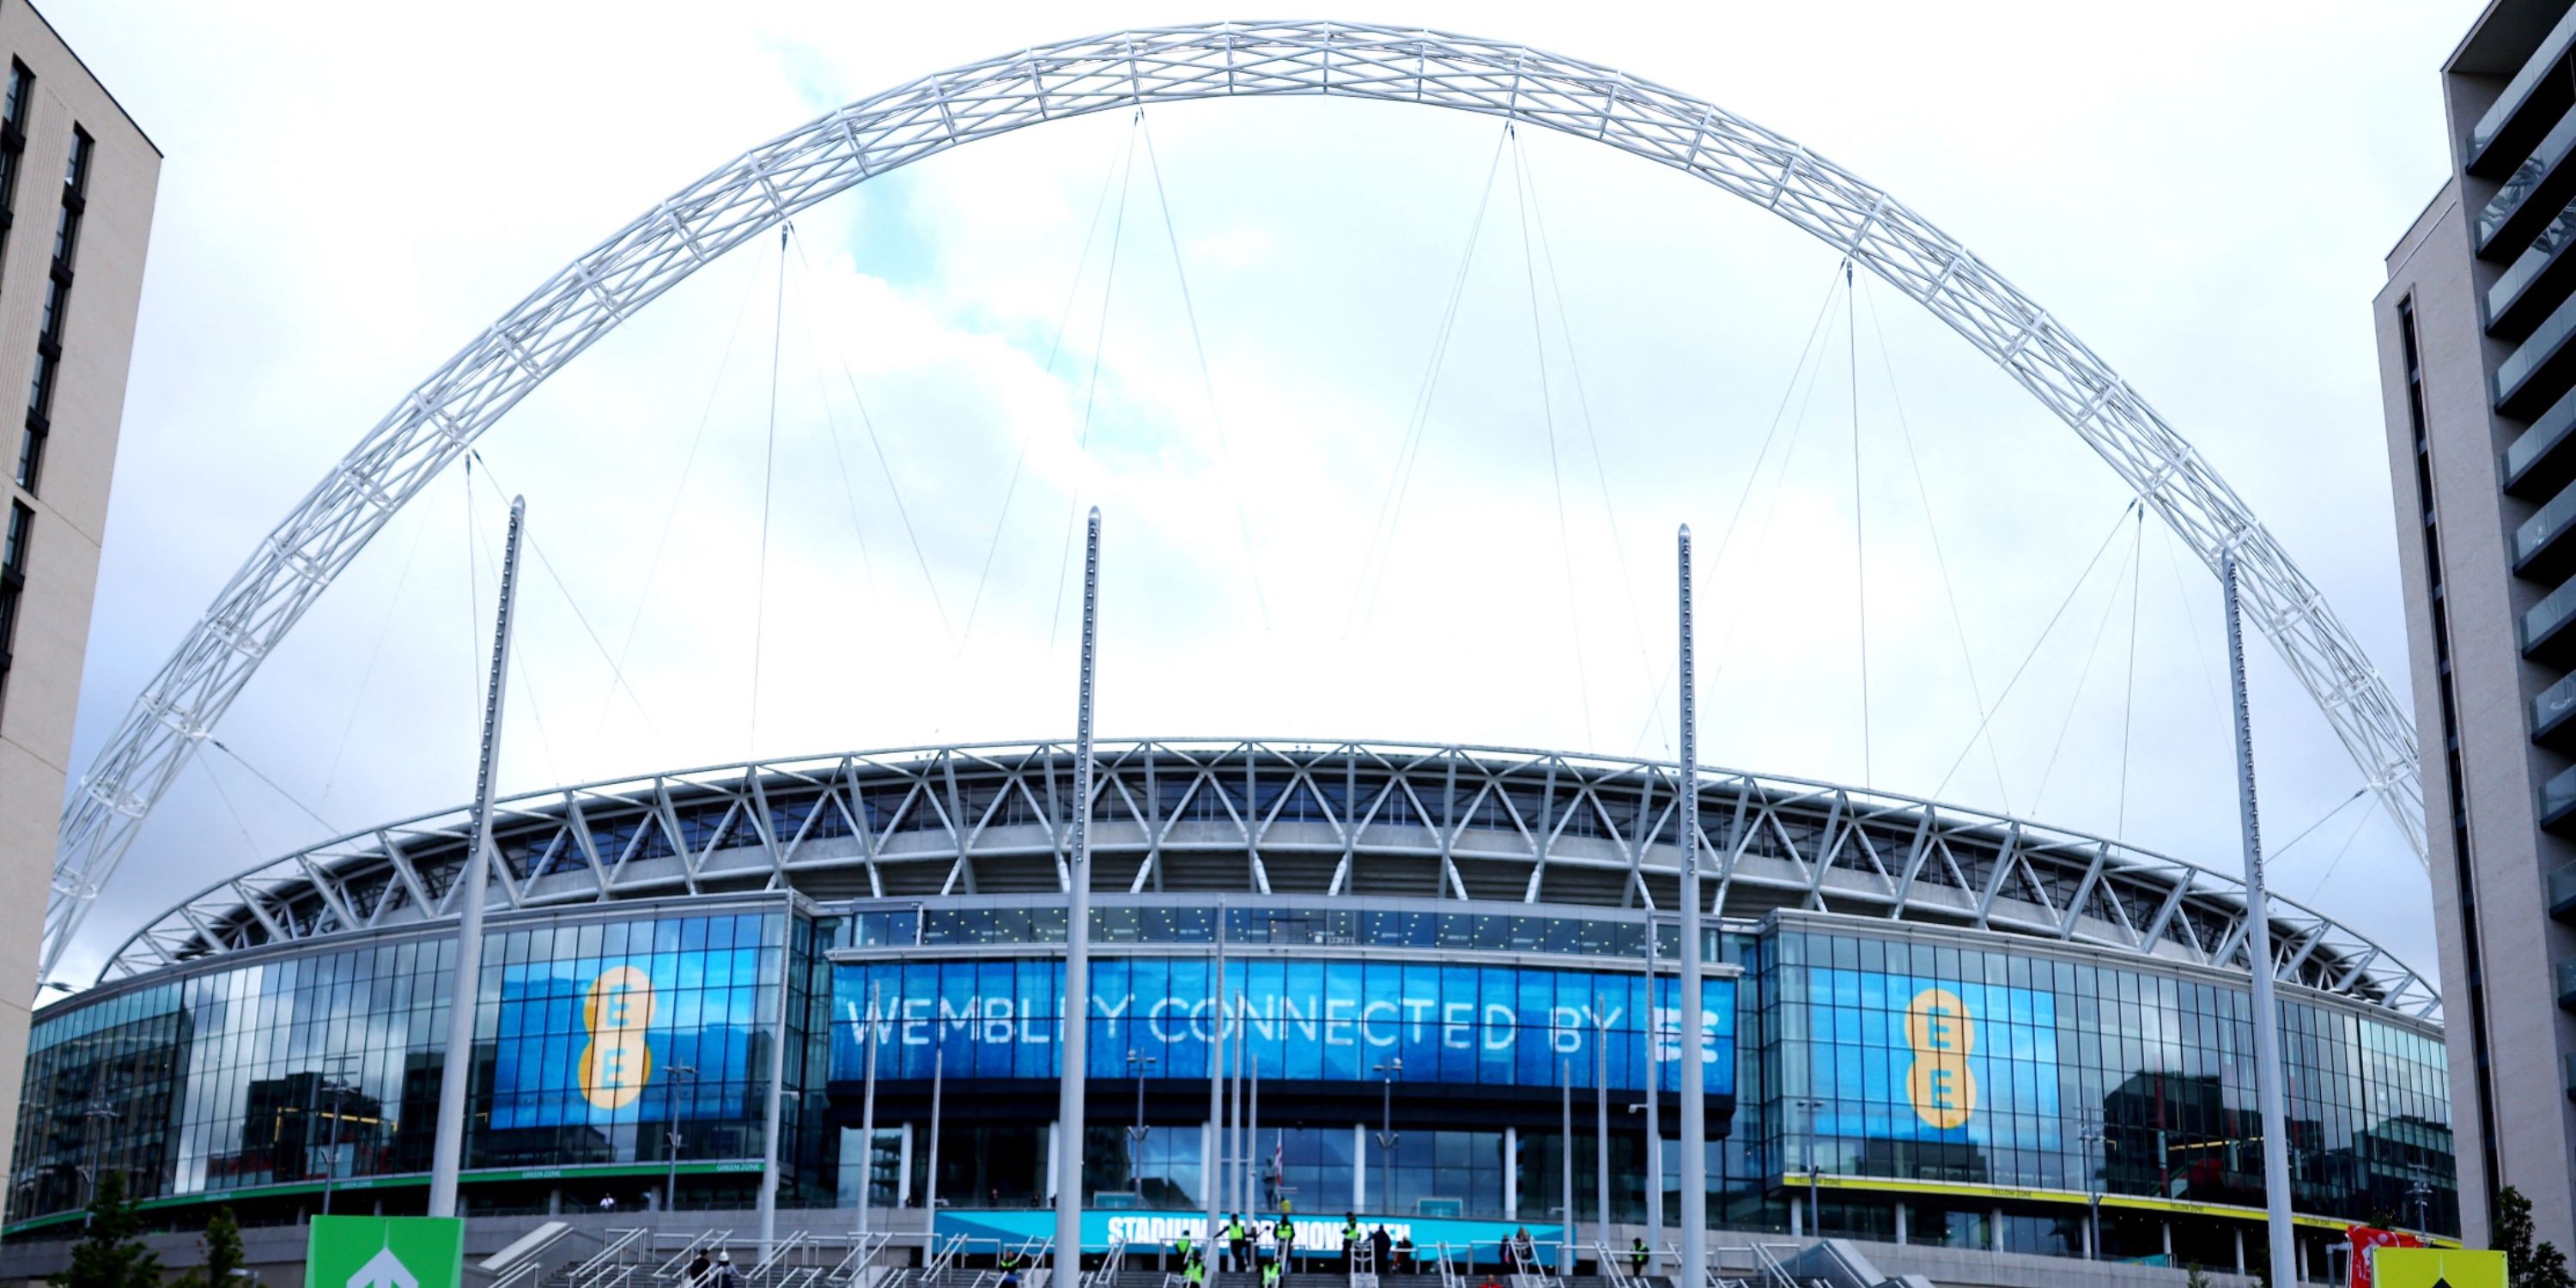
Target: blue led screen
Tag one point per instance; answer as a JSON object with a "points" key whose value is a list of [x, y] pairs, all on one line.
{"points": [[603, 1039], [1896, 1057], [1307, 1019]]}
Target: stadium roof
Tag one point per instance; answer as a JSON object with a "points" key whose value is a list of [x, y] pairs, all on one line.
{"points": [[1483, 824]]}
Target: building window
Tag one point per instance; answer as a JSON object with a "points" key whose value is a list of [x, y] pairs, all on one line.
{"points": [[13, 140], [13, 583], [58, 294]]}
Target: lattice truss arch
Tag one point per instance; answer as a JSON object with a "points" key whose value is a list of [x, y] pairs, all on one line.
{"points": [[1487, 825], [753, 193]]}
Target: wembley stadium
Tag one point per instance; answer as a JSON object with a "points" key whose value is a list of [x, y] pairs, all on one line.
{"points": [[723, 975]]}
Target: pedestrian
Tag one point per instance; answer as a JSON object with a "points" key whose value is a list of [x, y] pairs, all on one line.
{"points": [[1379, 1248], [1350, 1242], [1639, 1257], [1407, 1259], [1194, 1272], [1241, 1238], [1270, 1274], [607, 1203], [726, 1275], [699, 1268]]}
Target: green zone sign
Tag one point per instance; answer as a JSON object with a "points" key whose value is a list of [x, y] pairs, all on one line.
{"points": [[2436, 1268], [385, 1252]]}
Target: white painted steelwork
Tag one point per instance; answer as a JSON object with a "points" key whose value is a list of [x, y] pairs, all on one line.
{"points": [[743, 198], [1275, 818]]}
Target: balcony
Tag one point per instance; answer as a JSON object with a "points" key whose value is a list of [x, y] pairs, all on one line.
{"points": [[2532, 195], [2558, 802], [2542, 547], [2544, 275], [2567, 985], [2562, 892], [2537, 373], [2542, 459], [2553, 715], [2537, 93], [2546, 633]]}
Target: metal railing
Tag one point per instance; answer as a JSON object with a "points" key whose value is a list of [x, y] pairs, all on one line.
{"points": [[854, 1265], [706, 1241]]}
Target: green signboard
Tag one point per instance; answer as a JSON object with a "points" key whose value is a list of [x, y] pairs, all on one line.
{"points": [[2436, 1268], [385, 1252]]}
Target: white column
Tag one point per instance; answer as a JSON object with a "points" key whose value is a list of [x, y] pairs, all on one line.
{"points": [[1359, 1167], [1511, 1174]]}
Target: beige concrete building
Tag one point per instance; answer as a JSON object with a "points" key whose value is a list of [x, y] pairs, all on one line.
{"points": [[2479, 376], [77, 179]]}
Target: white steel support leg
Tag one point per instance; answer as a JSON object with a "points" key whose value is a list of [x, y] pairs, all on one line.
{"points": [[2258, 944], [1076, 1044], [456, 1068], [1694, 1169]]}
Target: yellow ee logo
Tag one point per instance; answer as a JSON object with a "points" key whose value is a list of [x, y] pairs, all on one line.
{"points": [[1942, 1033], [616, 1065]]}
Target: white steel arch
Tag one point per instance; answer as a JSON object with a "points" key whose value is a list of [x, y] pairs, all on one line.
{"points": [[439, 420]]}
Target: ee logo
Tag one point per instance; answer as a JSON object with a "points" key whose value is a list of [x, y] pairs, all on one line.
{"points": [[1942, 1033], [615, 1065]]}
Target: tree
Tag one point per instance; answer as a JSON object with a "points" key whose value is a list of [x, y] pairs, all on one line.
{"points": [[110, 1256], [2531, 1265], [222, 1242], [2197, 1278]]}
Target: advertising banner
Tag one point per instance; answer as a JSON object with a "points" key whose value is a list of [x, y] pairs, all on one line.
{"points": [[1897, 1057], [597, 1042], [1314, 1020], [2367, 1238], [1145, 1232]]}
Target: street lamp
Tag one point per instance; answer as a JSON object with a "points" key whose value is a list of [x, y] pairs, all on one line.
{"points": [[339, 1108], [2092, 1138], [2421, 1195], [98, 1110], [1386, 1070], [1137, 1063], [1815, 1215], [671, 1126]]}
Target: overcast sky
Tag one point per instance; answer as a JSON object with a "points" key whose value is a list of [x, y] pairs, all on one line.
{"points": [[2201, 191]]}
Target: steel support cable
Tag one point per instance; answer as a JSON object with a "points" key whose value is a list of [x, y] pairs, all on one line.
{"points": [[2346, 848], [1744, 495], [1547, 424], [1064, 319], [768, 476], [328, 827], [671, 512], [240, 824], [2019, 671], [1091, 388], [2129, 693], [1207, 381], [876, 444], [1932, 525], [1592, 440], [2191, 620], [367, 675], [617, 680], [2322, 820], [2075, 700], [1408, 449], [1860, 529], [1771, 506], [840, 459]]}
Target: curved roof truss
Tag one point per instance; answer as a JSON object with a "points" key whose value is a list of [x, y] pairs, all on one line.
{"points": [[1274, 818], [436, 422]]}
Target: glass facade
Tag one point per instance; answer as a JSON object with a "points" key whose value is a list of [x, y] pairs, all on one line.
{"points": [[2005, 1081], [1914, 1059], [327, 1064]]}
